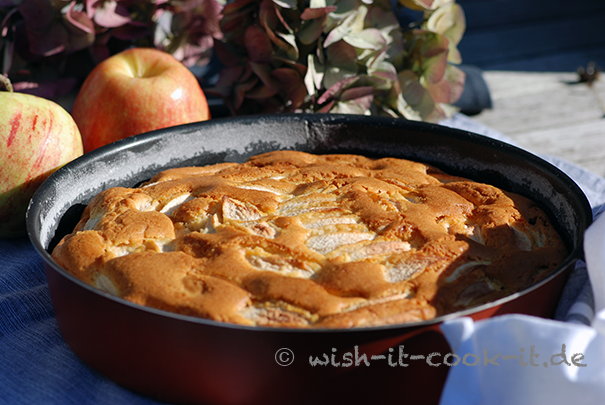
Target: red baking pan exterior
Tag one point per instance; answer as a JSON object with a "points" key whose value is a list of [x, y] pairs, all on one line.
{"points": [[186, 360]]}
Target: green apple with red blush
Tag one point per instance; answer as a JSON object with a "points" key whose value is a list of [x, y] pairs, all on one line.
{"points": [[37, 136]]}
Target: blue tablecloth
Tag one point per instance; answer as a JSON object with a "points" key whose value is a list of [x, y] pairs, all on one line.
{"points": [[37, 366]]}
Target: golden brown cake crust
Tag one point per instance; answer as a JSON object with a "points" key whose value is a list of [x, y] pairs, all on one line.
{"points": [[293, 239]]}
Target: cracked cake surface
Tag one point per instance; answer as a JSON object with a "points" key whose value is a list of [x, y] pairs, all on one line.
{"points": [[293, 239]]}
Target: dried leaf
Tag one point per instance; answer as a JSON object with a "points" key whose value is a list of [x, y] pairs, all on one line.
{"points": [[313, 13], [283, 20], [347, 56], [370, 38], [49, 89], [326, 108], [310, 76], [80, 28], [38, 16], [226, 54], [334, 75], [52, 41], [300, 68], [78, 22], [360, 106], [382, 19], [260, 92], [263, 71], [450, 88], [415, 95], [269, 18], [311, 31], [291, 4], [267, 15], [424, 5], [385, 72], [227, 79], [111, 14], [258, 45], [450, 22], [356, 92], [340, 31], [406, 109], [343, 56], [292, 83], [240, 90], [336, 88], [290, 39], [236, 6], [132, 32], [10, 3], [319, 3]]}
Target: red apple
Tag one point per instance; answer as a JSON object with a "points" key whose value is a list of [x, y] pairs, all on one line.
{"points": [[136, 91], [37, 136]]}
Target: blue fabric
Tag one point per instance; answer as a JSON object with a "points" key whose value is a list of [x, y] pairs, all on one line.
{"points": [[36, 365]]}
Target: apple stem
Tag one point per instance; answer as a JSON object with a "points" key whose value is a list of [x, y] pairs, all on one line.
{"points": [[5, 84]]}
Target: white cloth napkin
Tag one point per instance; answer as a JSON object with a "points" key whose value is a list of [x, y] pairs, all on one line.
{"points": [[540, 376], [527, 380]]}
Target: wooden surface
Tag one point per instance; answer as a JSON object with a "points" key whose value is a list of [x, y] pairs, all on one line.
{"points": [[529, 51], [549, 113]]}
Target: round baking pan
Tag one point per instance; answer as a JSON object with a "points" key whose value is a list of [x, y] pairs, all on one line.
{"points": [[180, 359]]}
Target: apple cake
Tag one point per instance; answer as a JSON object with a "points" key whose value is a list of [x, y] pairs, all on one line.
{"points": [[292, 239]]}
